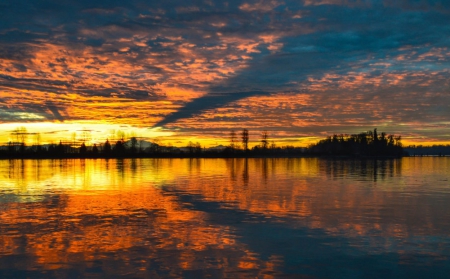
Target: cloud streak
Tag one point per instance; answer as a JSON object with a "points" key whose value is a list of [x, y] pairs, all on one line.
{"points": [[207, 102]]}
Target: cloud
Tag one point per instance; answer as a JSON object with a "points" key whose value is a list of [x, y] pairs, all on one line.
{"points": [[334, 47], [207, 102], [119, 58], [55, 111]]}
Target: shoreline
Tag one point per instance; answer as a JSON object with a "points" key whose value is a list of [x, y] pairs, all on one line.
{"points": [[185, 156]]}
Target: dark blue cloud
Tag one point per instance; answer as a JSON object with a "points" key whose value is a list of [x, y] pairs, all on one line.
{"points": [[210, 101], [55, 111], [344, 37]]}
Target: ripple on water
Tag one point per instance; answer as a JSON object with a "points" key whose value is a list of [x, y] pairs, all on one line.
{"points": [[224, 218]]}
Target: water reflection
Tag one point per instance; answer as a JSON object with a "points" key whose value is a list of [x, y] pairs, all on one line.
{"points": [[245, 175], [224, 218], [362, 169]]}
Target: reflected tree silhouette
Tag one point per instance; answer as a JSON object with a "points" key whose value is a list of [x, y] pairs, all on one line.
{"points": [[264, 169], [245, 175], [133, 166]]}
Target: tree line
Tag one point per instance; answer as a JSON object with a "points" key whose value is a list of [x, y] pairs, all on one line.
{"points": [[433, 150], [366, 144]]}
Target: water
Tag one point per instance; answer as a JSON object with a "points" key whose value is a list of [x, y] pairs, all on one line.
{"points": [[225, 218]]}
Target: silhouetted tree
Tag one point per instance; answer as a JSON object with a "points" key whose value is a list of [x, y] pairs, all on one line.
{"points": [[198, 148], [51, 149], [95, 149], [134, 143], [37, 142], [194, 148], [191, 147], [11, 147], [60, 149], [363, 144], [119, 147], [21, 134], [273, 146], [398, 141], [375, 135], [264, 140], [83, 149], [244, 136], [107, 147], [233, 139]]}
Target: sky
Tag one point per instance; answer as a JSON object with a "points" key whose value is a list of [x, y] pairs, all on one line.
{"points": [[176, 71]]}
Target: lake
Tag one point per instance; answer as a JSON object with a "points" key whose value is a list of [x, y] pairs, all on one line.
{"points": [[225, 218]]}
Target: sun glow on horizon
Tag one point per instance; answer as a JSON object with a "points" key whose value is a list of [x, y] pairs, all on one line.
{"points": [[92, 132], [89, 132]]}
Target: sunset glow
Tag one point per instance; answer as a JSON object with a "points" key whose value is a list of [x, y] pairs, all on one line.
{"points": [[178, 72]]}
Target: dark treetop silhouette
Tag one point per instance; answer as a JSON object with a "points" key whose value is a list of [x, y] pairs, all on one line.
{"points": [[366, 144]]}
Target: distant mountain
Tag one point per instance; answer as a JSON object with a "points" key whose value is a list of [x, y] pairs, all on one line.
{"points": [[143, 144], [216, 148]]}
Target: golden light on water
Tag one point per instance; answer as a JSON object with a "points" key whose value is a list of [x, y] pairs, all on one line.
{"points": [[186, 214], [200, 73], [105, 178]]}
